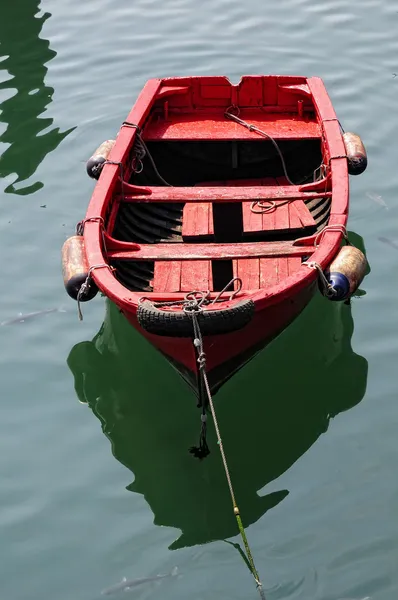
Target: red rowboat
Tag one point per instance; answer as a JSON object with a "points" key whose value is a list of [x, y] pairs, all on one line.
{"points": [[219, 198]]}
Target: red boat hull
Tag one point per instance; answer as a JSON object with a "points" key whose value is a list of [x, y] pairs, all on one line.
{"points": [[227, 353], [194, 197]]}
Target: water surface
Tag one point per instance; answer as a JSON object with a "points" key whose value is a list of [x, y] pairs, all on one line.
{"points": [[97, 480]]}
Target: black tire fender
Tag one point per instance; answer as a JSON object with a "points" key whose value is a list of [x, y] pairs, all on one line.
{"points": [[179, 323]]}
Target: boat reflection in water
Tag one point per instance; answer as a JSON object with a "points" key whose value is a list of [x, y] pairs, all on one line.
{"points": [[270, 414]]}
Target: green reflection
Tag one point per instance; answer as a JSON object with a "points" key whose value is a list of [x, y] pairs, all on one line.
{"points": [[26, 56], [270, 414]]}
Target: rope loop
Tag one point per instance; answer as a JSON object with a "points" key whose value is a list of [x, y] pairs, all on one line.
{"points": [[137, 165], [338, 228], [233, 107], [140, 150], [327, 288], [84, 288], [262, 206], [194, 301]]}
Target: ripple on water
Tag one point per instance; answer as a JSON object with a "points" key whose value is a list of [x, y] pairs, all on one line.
{"points": [[67, 521]]}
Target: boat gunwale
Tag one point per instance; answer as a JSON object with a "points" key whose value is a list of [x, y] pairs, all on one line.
{"points": [[103, 193]]}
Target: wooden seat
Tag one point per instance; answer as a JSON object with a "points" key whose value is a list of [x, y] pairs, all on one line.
{"points": [[198, 225], [255, 273], [182, 276], [197, 222], [213, 126], [262, 273]]}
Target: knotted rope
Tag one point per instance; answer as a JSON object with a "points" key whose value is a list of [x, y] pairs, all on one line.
{"points": [[193, 307]]}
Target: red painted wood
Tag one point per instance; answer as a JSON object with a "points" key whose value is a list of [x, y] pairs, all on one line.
{"points": [[334, 139], [251, 221], [168, 251], [251, 92], [283, 269], [281, 216], [294, 219], [268, 272], [172, 90], [340, 203], [167, 276], [275, 270], [268, 220], [196, 275], [213, 126], [299, 208], [217, 194], [322, 102], [197, 220], [113, 216], [249, 272], [294, 264]]}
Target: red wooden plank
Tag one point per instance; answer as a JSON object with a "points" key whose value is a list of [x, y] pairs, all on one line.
{"points": [[293, 264], [249, 272], [270, 90], [218, 194], [268, 272], [167, 276], [282, 217], [252, 221], [321, 98], [303, 213], [197, 220], [177, 251], [196, 275], [251, 91], [294, 219], [268, 219], [283, 270], [274, 270], [213, 126]]}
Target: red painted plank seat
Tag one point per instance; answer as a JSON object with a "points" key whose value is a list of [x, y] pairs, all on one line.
{"points": [[197, 222], [182, 276], [214, 126], [255, 273], [198, 217], [262, 273]]}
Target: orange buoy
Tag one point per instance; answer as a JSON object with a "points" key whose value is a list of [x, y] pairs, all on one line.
{"points": [[346, 272], [75, 269], [356, 153], [96, 162]]}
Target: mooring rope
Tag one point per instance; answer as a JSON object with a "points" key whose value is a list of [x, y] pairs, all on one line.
{"points": [[140, 151], [192, 308], [235, 117]]}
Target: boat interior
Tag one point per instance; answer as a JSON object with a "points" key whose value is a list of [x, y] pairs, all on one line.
{"points": [[189, 153]]}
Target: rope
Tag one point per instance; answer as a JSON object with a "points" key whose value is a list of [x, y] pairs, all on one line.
{"points": [[250, 127], [328, 289], [192, 307], [339, 228], [204, 297], [85, 287], [140, 151], [271, 204]]}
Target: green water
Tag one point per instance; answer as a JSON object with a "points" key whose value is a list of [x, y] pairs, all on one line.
{"points": [[96, 479]]}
